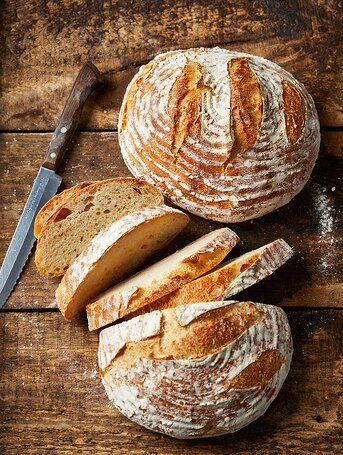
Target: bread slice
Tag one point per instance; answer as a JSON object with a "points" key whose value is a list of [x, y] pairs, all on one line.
{"points": [[54, 204], [161, 278], [227, 279], [115, 252], [70, 229]]}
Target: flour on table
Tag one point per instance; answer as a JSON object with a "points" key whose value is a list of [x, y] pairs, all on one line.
{"points": [[324, 210]]}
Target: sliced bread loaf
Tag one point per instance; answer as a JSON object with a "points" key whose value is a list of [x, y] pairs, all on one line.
{"points": [[197, 370], [115, 252], [161, 278], [228, 279], [54, 204], [70, 229]]}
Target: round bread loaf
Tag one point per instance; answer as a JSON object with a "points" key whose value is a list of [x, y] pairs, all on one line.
{"points": [[197, 370], [226, 135]]}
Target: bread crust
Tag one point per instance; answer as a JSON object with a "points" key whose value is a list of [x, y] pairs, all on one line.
{"points": [[228, 279], [172, 379], [233, 161], [113, 305], [79, 273]]}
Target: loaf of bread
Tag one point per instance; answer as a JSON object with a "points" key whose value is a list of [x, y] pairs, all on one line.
{"points": [[54, 204], [227, 279], [114, 252], [226, 135], [197, 370], [83, 215], [161, 278]]}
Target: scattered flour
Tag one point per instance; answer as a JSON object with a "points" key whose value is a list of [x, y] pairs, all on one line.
{"points": [[325, 215], [91, 374], [324, 210]]}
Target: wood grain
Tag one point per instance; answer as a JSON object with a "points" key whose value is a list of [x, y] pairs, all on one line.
{"points": [[310, 223], [47, 42], [53, 400]]}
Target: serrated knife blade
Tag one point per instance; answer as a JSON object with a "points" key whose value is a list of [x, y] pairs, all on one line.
{"points": [[47, 181], [44, 187]]}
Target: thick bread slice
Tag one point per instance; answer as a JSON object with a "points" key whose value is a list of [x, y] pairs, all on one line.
{"points": [[197, 370], [161, 278], [115, 252], [228, 279], [70, 229], [54, 204]]}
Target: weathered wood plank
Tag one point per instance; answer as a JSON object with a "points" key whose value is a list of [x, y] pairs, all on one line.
{"points": [[310, 223], [52, 399], [333, 142], [47, 41]]}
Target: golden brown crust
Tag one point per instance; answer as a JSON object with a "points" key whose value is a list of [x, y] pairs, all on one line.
{"points": [[207, 334], [197, 370], [53, 205], [227, 279], [185, 104], [207, 288], [128, 297], [294, 110], [258, 373], [103, 311], [130, 99], [228, 165], [246, 106]]}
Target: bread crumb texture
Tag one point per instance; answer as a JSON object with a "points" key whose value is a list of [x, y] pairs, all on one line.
{"points": [[115, 252], [71, 228]]}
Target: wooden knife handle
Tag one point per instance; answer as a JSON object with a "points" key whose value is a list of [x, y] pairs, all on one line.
{"points": [[87, 81]]}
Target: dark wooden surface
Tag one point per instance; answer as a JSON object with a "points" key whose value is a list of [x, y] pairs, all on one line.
{"points": [[53, 401], [51, 397], [310, 223]]}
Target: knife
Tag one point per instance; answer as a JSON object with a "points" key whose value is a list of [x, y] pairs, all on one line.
{"points": [[47, 180]]}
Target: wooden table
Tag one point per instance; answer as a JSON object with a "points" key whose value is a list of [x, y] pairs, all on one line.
{"points": [[52, 400]]}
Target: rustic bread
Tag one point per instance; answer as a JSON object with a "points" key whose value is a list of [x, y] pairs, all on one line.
{"points": [[227, 279], [161, 278], [116, 251], [197, 370], [226, 135], [70, 229], [54, 204]]}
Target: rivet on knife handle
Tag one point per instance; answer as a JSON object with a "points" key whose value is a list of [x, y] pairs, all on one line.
{"points": [[86, 82]]}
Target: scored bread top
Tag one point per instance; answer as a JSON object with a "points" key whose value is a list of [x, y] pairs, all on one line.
{"points": [[54, 204], [161, 278], [227, 135], [227, 279], [70, 229], [116, 251], [197, 370]]}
